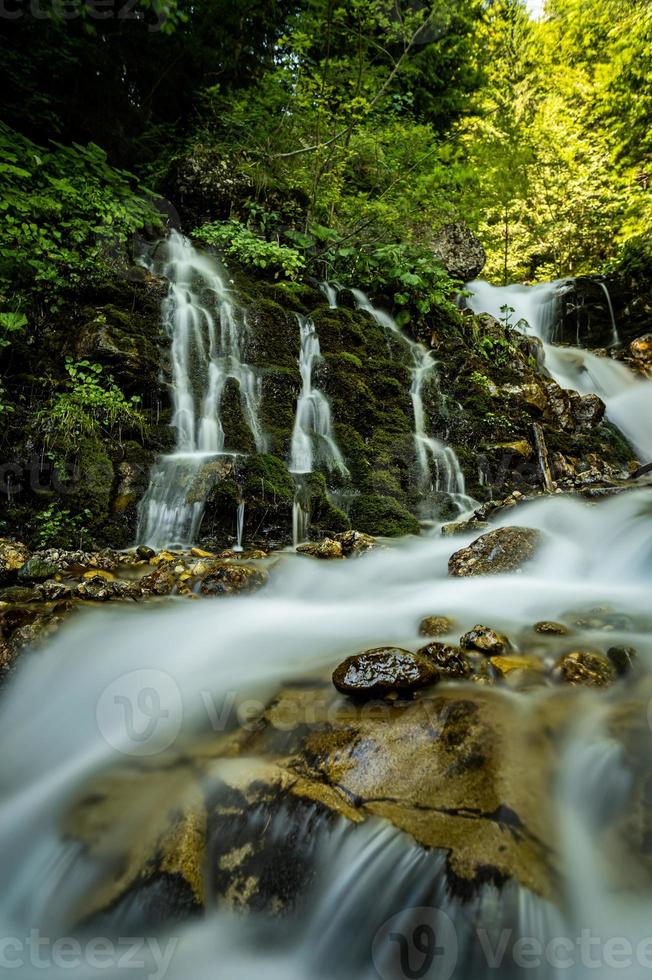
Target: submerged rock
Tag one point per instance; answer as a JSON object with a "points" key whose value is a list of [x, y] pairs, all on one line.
{"points": [[505, 665], [549, 628], [587, 668], [99, 589], [485, 640], [449, 660], [623, 659], [507, 549], [436, 626], [383, 670], [225, 579]]}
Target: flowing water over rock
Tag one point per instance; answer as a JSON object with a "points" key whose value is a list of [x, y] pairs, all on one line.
{"points": [[439, 467], [207, 330], [534, 310]]}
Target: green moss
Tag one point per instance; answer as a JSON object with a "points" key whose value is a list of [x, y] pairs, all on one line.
{"points": [[382, 516], [266, 477]]}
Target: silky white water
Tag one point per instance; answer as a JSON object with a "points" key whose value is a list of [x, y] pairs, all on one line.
{"points": [[534, 309], [207, 331], [194, 656], [312, 436], [439, 467]]}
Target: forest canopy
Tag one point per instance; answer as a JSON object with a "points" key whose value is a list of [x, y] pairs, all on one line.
{"points": [[329, 138]]}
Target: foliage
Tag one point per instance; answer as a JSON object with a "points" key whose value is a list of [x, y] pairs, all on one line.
{"points": [[561, 144], [65, 212], [235, 240], [87, 407], [56, 524]]}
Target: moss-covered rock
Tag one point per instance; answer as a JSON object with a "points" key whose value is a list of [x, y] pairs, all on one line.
{"points": [[382, 516]]}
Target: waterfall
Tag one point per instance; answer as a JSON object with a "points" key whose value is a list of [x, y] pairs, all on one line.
{"points": [[207, 331], [627, 398], [330, 290], [312, 436], [615, 336], [439, 467], [239, 521]]}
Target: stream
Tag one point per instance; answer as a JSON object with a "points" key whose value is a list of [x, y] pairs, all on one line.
{"points": [[123, 683]]}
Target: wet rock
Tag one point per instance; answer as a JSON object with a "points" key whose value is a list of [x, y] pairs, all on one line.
{"points": [[623, 659], [255, 554], [99, 589], [601, 618], [355, 543], [13, 555], [382, 670], [584, 667], [161, 581], [507, 549], [52, 591], [225, 579], [36, 569], [459, 251], [449, 660], [143, 553], [486, 640], [549, 628], [326, 549], [587, 410], [436, 626]]}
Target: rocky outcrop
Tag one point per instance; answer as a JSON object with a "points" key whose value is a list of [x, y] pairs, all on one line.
{"points": [[507, 549], [459, 251]]}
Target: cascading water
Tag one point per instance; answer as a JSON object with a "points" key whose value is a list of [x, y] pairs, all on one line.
{"points": [[439, 467], [534, 310], [239, 520], [207, 331], [369, 878], [312, 436]]}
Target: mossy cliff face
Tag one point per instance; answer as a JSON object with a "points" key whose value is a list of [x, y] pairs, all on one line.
{"points": [[85, 489], [485, 399]]}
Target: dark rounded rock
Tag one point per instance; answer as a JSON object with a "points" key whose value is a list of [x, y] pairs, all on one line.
{"points": [[383, 670], [623, 659], [507, 549], [584, 667], [144, 553], [485, 640], [449, 660]]}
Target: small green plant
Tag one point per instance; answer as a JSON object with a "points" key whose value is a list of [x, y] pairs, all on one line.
{"points": [[54, 524], [88, 405], [481, 381], [237, 241], [10, 325], [495, 349]]}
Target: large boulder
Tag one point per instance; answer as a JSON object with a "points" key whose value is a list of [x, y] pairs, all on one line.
{"points": [[507, 549], [459, 251]]}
